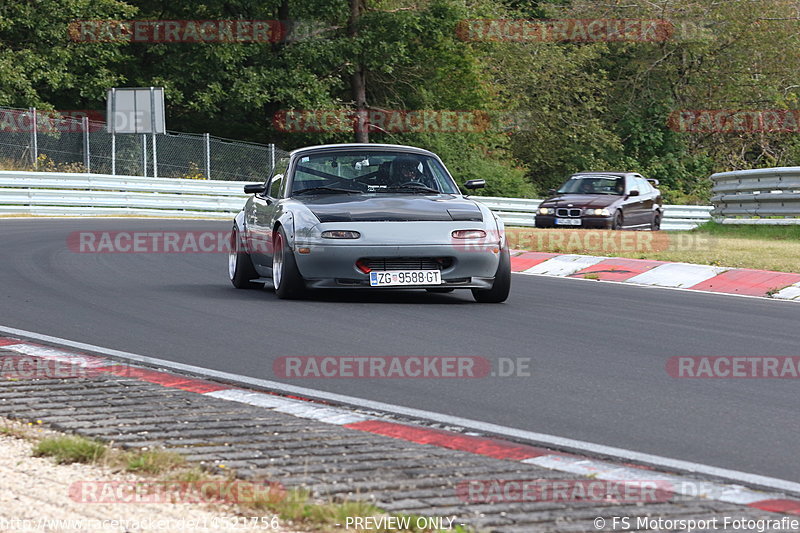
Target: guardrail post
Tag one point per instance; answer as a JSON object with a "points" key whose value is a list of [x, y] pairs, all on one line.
{"points": [[208, 156], [87, 157], [34, 139]]}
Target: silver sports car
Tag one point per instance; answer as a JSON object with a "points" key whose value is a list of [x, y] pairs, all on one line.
{"points": [[367, 216]]}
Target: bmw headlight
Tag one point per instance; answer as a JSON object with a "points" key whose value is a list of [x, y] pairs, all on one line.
{"points": [[599, 212], [546, 211]]}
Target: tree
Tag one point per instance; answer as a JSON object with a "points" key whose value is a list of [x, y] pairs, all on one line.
{"points": [[41, 66]]}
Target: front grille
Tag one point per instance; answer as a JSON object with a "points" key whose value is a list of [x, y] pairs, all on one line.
{"points": [[407, 263], [564, 212]]}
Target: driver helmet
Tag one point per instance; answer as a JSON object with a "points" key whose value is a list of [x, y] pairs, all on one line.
{"points": [[407, 169]]}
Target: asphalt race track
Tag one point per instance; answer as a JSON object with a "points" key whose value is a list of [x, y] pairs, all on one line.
{"points": [[598, 350]]}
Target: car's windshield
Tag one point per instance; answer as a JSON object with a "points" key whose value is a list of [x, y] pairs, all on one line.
{"points": [[370, 172], [593, 185]]}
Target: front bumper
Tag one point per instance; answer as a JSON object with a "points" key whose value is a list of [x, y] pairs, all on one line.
{"points": [[334, 266], [593, 222]]}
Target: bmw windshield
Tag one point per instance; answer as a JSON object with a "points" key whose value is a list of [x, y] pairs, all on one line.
{"points": [[593, 185], [344, 172]]}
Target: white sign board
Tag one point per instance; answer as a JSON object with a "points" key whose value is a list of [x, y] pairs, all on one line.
{"points": [[136, 110]]}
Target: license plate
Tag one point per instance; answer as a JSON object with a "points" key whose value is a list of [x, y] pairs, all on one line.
{"points": [[568, 222], [394, 278]]}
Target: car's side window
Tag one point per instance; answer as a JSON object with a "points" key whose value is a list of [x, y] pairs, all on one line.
{"points": [[280, 168], [275, 186], [633, 185], [644, 186]]}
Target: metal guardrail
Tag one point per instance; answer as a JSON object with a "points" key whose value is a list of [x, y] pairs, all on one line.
{"points": [[758, 196], [78, 194]]}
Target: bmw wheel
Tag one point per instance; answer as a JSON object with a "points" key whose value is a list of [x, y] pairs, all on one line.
{"points": [[656, 224], [618, 221]]}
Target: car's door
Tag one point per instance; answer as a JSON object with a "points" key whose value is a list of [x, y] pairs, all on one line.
{"points": [[265, 207], [631, 206], [648, 200]]}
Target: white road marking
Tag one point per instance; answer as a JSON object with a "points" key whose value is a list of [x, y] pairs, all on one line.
{"points": [[683, 275], [792, 292], [674, 483], [564, 265]]}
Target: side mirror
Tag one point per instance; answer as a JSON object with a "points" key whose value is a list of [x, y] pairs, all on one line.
{"points": [[475, 184], [254, 188], [633, 193], [551, 192]]}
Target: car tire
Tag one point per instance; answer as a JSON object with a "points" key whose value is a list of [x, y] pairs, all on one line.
{"points": [[441, 289], [240, 265], [286, 277], [655, 225], [618, 221], [502, 283]]}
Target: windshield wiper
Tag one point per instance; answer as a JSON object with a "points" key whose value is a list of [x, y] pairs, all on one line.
{"points": [[412, 188], [329, 190]]}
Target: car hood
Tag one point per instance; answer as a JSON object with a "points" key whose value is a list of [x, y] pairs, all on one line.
{"points": [[582, 200], [391, 207]]}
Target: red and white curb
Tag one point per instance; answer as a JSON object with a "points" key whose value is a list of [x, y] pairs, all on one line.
{"points": [[739, 281], [491, 447]]}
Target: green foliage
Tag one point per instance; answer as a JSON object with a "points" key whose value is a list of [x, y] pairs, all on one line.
{"points": [[39, 64], [587, 106]]}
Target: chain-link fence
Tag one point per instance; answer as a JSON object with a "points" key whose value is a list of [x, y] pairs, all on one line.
{"points": [[71, 142]]}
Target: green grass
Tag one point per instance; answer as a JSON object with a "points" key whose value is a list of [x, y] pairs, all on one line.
{"points": [[751, 231], [70, 449], [151, 461]]}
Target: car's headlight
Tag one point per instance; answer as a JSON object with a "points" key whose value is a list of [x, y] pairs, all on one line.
{"points": [[340, 234], [468, 234], [546, 210], [600, 212]]}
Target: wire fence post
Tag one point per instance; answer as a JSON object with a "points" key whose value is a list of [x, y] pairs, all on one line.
{"points": [[34, 139], [144, 155], [208, 156], [112, 124], [153, 129], [271, 157], [113, 154], [87, 156]]}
